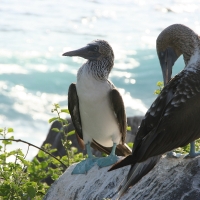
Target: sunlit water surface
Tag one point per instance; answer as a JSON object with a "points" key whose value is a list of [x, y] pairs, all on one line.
{"points": [[34, 34]]}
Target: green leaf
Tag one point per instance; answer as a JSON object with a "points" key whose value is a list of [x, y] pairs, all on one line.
{"points": [[25, 162], [56, 130], [47, 146], [41, 154], [1, 130], [12, 153], [7, 142], [55, 162], [56, 105], [104, 154], [74, 150], [31, 191], [54, 176], [128, 128], [10, 130], [6, 169], [44, 164], [65, 111], [52, 150], [130, 144], [71, 133], [53, 119], [69, 142], [64, 158], [11, 138], [62, 120], [159, 84]]}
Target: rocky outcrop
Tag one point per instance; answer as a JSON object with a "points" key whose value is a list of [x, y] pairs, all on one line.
{"points": [[171, 179], [133, 122]]}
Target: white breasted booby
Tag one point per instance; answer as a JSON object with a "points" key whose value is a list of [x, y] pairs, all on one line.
{"points": [[96, 107], [172, 119]]}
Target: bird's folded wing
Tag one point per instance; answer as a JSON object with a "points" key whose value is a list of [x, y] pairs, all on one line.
{"points": [[118, 107]]}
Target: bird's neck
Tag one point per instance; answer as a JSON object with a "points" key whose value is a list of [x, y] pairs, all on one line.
{"points": [[194, 59], [191, 50], [99, 69]]}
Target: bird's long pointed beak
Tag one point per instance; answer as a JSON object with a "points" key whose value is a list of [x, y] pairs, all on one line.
{"points": [[167, 61], [84, 52], [79, 52]]}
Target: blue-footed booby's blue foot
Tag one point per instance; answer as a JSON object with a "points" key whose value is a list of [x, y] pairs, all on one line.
{"points": [[109, 160], [192, 153], [84, 166]]}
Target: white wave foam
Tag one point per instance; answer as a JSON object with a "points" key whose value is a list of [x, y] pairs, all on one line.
{"points": [[12, 69], [135, 105]]}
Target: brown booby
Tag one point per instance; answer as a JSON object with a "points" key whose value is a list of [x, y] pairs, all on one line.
{"points": [[172, 119], [96, 107]]}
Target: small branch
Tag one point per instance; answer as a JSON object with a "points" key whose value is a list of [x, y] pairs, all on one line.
{"points": [[27, 152], [19, 140]]}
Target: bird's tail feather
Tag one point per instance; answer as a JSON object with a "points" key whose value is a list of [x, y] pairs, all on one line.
{"points": [[136, 172], [129, 160]]}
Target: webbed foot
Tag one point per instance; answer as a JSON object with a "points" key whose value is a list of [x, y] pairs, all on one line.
{"points": [[107, 161], [84, 166], [192, 153]]}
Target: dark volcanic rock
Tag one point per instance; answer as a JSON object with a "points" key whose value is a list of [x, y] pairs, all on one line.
{"points": [[133, 122]]}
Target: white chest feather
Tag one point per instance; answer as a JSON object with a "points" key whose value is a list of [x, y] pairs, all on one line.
{"points": [[97, 116]]}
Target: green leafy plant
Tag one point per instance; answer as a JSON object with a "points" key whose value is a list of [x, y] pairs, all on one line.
{"points": [[130, 144], [21, 179], [72, 154], [15, 182], [160, 84]]}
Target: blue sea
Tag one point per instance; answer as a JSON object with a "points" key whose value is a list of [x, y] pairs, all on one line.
{"points": [[34, 34]]}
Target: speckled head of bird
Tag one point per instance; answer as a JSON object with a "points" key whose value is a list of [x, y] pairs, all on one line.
{"points": [[94, 51], [172, 42]]}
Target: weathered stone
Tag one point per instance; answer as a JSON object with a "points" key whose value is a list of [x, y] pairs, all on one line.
{"points": [[171, 179]]}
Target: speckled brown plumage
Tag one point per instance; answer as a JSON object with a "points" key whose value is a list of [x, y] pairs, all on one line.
{"points": [[172, 119], [181, 38], [101, 68]]}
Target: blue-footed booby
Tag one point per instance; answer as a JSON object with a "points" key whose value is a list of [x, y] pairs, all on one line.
{"points": [[172, 119], [96, 107]]}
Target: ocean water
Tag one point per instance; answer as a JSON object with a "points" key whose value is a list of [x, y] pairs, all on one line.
{"points": [[34, 34]]}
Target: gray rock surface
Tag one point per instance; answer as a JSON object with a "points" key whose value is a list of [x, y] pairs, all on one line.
{"points": [[171, 179]]}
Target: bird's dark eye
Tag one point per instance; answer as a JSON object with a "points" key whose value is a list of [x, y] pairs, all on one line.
{"points": [[95, 48]]}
